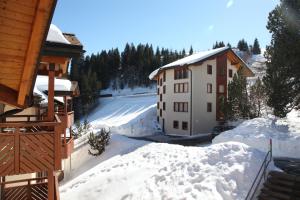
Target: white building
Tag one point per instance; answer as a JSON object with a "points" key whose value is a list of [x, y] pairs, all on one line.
{"points": [[188, 90]]}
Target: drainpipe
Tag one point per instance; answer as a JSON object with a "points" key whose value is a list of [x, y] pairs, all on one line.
{"points": [[191, 100]]}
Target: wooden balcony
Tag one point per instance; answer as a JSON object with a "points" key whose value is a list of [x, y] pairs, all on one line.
{"points": [[35, 188], [67, 118], [29, 147]]}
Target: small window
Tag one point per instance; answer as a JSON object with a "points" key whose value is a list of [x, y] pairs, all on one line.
{"points": [[164, 105], [160, 112], [160, 97], [175, 124], [160, 83], [221, 89], [230, 73], [157, 105], [209, 107], [157, 91], [209, 88], [209, 69], [157, 118], [164, 89], [164, 76], [184, 126]]}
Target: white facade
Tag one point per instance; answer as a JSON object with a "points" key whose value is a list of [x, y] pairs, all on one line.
{"points": [[197, 116]]}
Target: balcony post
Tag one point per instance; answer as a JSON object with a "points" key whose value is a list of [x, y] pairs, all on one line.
{"points": [[66, 118], [17, 150], [50, 185], [51, 76]]}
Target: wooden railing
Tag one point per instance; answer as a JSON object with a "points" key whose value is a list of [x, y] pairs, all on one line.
{"points": [[27, 147], [35, 188], [67, 119]]}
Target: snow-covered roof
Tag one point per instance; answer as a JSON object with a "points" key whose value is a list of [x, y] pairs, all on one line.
{"points": [[41, 85], [197, 57], [56, 35]]}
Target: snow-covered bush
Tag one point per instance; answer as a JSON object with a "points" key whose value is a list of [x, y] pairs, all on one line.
{"points": [[98, 142], [81, 129]]}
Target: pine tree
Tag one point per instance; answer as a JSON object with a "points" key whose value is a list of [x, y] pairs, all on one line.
{"points": [[282, 78], [257, 98], [237, 105], [191, 51], [256, 48], [243, 45]]}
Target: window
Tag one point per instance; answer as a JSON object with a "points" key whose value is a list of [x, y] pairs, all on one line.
{"points": [[180, 73], [160, 82], [164, 76], [157, 118], [209, 107], [180, 106], [160, 97], [157, 105], [160, 112], [175, 124], [164, 105], [230, 73], [209, 88], [157, 91], [209, 69], [221, 89], [181, 87], [184, 126], [164, 89]]}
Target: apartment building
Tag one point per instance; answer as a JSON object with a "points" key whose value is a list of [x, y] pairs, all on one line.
{"points": [[189, 90]]}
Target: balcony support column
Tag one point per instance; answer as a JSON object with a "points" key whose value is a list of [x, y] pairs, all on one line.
{"points": [[51, 75], [50, 185]]}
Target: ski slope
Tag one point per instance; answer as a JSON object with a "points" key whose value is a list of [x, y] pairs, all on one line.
{"points": [[132, 115]]}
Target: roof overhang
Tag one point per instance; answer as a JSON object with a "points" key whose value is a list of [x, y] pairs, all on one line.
{"points": [[23, 30]]}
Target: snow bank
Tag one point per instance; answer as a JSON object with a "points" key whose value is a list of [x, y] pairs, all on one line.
{"points": [[126, 115], [81, 161], [163, 171], [285, 134]]}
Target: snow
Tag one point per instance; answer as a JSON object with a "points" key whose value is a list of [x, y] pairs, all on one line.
{"points": [[285, 134], [164, 171], [190, 59], [133, 115], [130, 91], [41, 85], [82, 161], [56, 35]]}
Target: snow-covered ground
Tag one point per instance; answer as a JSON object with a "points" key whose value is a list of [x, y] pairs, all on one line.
{"points": [[132, 115], [130, 91], [285, 134], [163, 171]]}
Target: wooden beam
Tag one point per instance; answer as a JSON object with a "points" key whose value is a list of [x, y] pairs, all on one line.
{"points": [[9, 96], [38, 29], [51, 83], [50, 185], [55, 59]]}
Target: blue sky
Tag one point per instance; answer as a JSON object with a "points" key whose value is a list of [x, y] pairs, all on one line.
{"points": [[174, 24]]}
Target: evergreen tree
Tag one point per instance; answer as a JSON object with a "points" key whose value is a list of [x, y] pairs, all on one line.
{"points": [[256, 48], [228, 45], [191, 51], [237, 105], [243, 45], [257, 98], [218, 45], [282, 78]]}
